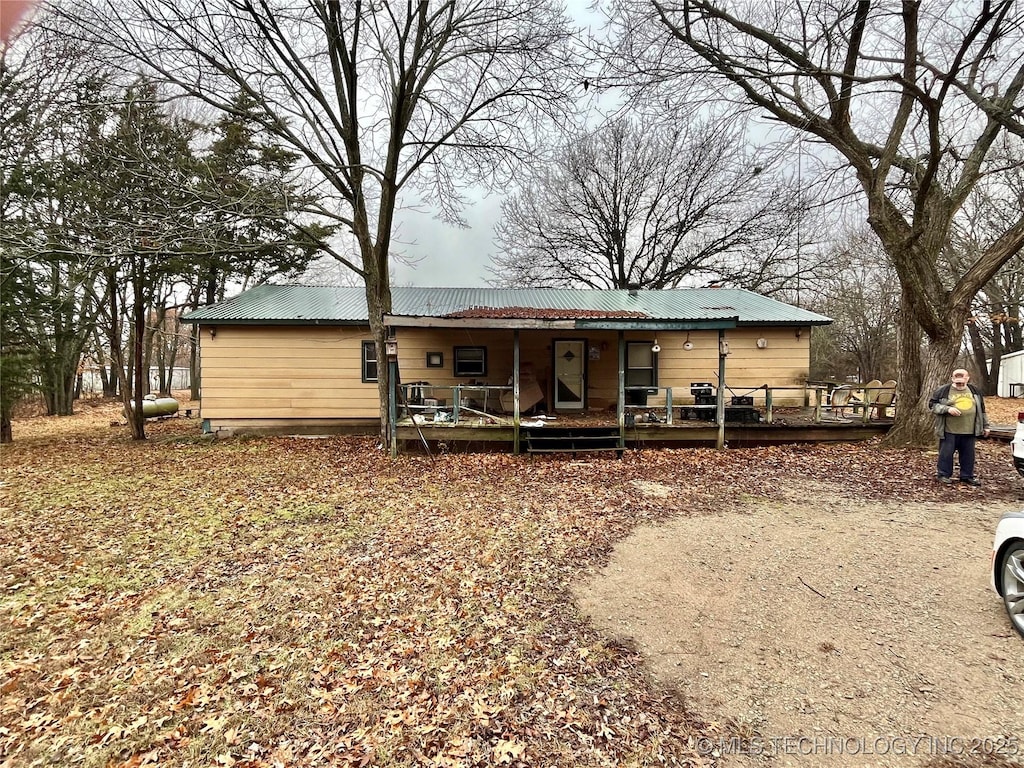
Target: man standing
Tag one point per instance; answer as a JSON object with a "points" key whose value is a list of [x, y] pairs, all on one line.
{"points": [[960, 419]]}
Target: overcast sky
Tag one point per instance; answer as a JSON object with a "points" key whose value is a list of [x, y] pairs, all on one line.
{"points": [[446, 255]]}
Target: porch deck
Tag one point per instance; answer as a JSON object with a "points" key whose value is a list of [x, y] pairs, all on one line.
{"points": [[789, 425], [650, 415]]}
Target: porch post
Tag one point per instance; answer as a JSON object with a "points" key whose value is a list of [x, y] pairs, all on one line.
{"points": [[620, 410], [515, 391], [722, 349]]}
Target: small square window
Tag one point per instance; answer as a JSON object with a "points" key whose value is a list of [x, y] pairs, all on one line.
{"points": [[435, 359], [369, 361], [470, 361]]}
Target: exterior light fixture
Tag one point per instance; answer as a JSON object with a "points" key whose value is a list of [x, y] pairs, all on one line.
{"points": [[762, 343], [213, 331], [687, 345], [656, 347]]}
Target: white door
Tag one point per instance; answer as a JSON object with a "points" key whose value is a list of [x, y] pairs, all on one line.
{"points": [[570, 366]]}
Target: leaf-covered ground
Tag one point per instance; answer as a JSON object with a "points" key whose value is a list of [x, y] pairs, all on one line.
{"points": [[284, 601]]}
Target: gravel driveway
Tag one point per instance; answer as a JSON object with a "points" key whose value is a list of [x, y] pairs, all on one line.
{"points": [[813, 623]]}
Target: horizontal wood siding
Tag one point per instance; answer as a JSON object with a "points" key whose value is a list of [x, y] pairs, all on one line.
{"points": [[784, 361], [415, 343], [270, 372]]}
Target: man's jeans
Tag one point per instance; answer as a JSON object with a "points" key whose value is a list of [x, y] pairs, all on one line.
{"points": [[964, 446]]}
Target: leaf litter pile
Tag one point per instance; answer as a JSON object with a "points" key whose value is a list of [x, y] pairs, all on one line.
{"points": [[288, 602]]}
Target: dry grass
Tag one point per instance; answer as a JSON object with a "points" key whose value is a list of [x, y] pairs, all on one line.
{"points": [[308, 602], [302, 602], [1004, 410]]}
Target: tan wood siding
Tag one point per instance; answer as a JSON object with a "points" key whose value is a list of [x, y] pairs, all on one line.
{"points": [[313, 373], [263, 372], [784, 361], [415, 343]]}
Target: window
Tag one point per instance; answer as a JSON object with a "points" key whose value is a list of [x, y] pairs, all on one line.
{"points": [[641, 364], [470, 361], [369, 361]]}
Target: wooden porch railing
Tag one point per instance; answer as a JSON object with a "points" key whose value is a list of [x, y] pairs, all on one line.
{"points": [[465, 402]]}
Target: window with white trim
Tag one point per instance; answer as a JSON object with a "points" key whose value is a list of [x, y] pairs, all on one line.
{"points": [[369, 361]]}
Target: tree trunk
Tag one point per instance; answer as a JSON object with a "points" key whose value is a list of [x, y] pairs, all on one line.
{"points": [[6, 433], [378, 303], [169, 353], [50, 402], [211, 286], [109, 380], [988, 376], [114, 339], [922, 371], [193, 362], [137, 419], [909, 427], [68, 393], [131, 385], [58, 386]]}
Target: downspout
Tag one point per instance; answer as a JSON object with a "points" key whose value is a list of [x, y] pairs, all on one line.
{"points": [[723, 350], [515, 391]]}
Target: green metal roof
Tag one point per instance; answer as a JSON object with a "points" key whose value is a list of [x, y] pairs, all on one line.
{"points": [[329, 305]]}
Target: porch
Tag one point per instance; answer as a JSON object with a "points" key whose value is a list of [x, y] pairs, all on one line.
{"points": [[697, 416], [629, 372]]}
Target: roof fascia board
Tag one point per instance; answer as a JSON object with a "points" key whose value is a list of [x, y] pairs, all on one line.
{"points": [[592, 324], [596, 324], [608, 324], [400, 321], [251, 321], [783, 323]]}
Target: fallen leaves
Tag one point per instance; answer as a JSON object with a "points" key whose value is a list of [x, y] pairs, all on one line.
{"points": [[293, 602]]}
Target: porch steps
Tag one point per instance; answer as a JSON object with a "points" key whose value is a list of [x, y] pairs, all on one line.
{"points": [[570, 439]]}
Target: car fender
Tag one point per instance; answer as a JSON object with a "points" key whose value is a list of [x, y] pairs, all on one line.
{"points": [[1009, 531]]}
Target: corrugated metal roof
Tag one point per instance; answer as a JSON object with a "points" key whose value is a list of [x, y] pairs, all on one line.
{"points": [[301, 305], [298, 304]]}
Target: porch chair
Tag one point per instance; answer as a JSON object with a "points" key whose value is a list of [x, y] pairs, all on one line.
{"points": [[885, 398], [839, 401], [871, 392]]}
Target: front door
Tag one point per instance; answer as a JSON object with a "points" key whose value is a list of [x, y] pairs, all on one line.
{"points": [[570, 370]]}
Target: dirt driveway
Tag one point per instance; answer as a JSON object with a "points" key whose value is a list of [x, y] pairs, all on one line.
{"points": [[818, 624]]}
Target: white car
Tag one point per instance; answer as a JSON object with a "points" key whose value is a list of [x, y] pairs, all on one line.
{"points": [[1008, 547]]}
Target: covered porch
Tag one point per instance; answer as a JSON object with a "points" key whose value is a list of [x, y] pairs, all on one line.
{"points": [[614, 382]]}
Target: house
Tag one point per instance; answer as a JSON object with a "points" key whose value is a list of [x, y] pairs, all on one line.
{"points": [[291, 358], [1011, 374]]}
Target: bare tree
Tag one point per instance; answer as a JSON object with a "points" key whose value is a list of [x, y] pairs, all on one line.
{"points": [[380, 99], [653, 207], [861, 294], [994, 327], [911, 100]]}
